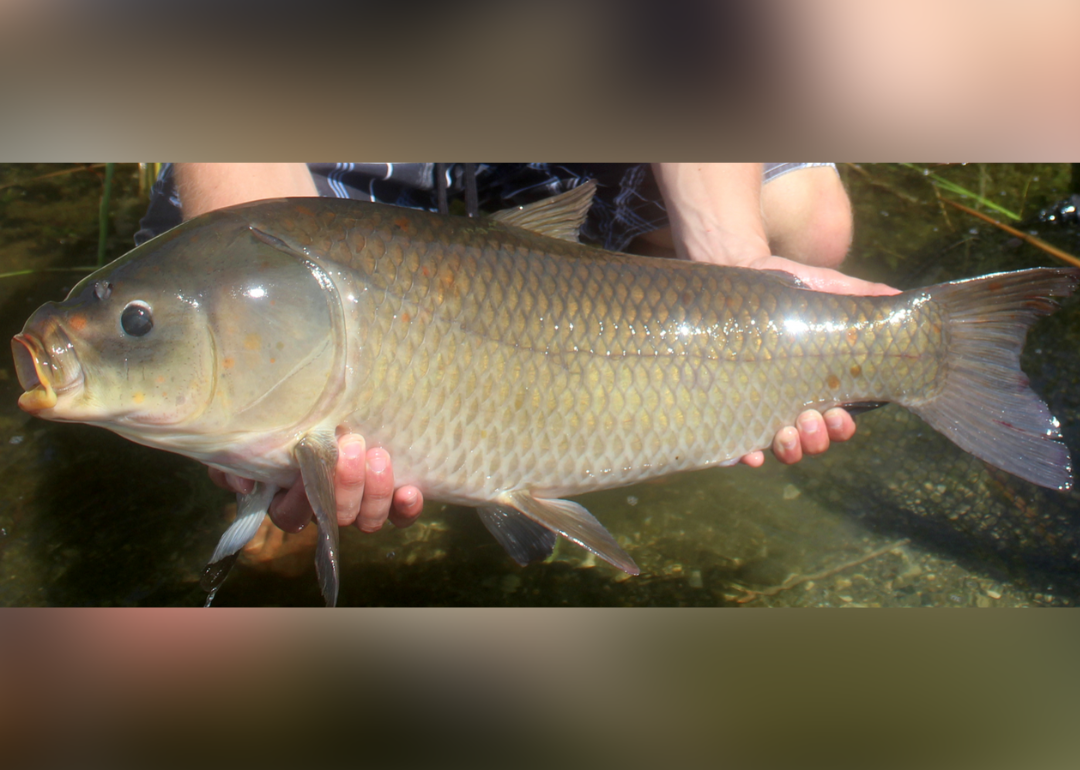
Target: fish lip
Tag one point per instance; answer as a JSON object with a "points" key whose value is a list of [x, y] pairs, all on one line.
{"points": [[36, 371]]}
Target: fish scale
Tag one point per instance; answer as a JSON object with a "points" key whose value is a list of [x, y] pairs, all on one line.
{"points": [[512, 360]]}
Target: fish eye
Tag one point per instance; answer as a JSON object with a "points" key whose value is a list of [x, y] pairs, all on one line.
{"points": [[102, 290], [136, 319]]}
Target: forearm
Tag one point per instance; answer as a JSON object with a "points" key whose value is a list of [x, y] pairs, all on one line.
{"points": [[715, 211], [207, 186]]}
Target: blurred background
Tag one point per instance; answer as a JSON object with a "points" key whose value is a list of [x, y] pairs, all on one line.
{"points": [[88, 519]]}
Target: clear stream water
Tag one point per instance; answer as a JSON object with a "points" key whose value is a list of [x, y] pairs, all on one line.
{"points": [[87, 518]]}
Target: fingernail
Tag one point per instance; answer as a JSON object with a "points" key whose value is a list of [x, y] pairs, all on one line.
{"points": [[236, 483], [352, 450], [408, 498], [787, 441], [834, 421], [808, 424], [377, 461]]}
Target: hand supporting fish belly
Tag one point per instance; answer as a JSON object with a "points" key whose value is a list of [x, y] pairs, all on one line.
{"points": [[502, 365]]}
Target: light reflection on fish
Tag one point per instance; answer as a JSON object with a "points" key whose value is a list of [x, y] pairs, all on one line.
{"points": [[502, 364]]}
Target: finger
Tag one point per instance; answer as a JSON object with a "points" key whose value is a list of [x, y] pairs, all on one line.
{"points": [[291, 510], [754, 459], [378, 491], [813, 437], [349, 475], [231, 481], [218, 477], [407, 504], [840, 424], [786, 445], [237, 484], [824, 278]]}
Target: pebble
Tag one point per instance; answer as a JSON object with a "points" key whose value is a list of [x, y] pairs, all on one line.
{"points": [[791, 492], [842, 583], [695, 579], [631, 500], [993, 594], [16, 440]]}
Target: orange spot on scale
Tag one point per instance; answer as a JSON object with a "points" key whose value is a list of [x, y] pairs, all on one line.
{"points": [[405, 317], [424, 272], [402, 222], [160, 380], [252, 342], [856, 371], [833, 382], [273, 360], [77, 322], [138, 397], [852, 335], [228, 362]]}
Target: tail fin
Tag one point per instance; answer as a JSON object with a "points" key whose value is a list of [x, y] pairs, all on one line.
{"points": [[987, 407]]}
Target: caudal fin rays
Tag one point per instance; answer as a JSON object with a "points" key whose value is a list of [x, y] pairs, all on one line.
{"points": [[986, 407]]}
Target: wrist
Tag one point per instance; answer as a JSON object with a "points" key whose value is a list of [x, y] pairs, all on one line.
{"points": [[715, 211]]}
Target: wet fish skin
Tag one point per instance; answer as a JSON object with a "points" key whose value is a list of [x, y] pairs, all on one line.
{"points": [[495, 359], [504, 368], [520, 360]]}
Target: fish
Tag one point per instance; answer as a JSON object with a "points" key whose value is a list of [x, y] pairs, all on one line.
{"points": [[503, 364]]}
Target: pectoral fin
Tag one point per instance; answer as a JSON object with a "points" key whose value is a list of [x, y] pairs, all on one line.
{"points": [[250, 511], [317, 456], [525, 540], [574, 523]]}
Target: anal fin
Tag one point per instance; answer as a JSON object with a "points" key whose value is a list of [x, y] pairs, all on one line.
{"points": [[574, 523], [861, 407], [317, 456], [523, 538]]}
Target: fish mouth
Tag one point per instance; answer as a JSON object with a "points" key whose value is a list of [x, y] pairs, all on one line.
{"points": [[41, 375]]}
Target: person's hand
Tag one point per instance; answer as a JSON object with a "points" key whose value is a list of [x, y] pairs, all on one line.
{"points": [[363, 488], [811, 435]]}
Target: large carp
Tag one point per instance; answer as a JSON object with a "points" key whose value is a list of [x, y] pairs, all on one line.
{"points": [[502, 364]]}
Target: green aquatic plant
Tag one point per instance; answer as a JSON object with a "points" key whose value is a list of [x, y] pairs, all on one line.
{"points": [[33, 270], [103, 212], [956, 189]]}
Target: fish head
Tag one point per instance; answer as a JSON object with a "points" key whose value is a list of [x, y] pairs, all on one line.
{"points": [[116, 350], [212, 328]]}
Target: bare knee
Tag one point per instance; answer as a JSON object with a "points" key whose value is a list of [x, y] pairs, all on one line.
{"points": [[808, 216]]}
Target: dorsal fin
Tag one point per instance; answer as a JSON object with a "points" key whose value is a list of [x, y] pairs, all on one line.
{"points": [[559, 216]]}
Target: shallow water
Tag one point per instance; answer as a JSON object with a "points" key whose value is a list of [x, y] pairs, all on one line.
{"points": [[90, 519]]}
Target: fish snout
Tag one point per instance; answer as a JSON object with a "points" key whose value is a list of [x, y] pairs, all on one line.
{"points": [[45, 367]]}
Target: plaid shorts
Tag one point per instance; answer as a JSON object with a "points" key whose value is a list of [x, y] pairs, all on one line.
{"points": [[627, 203]]}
